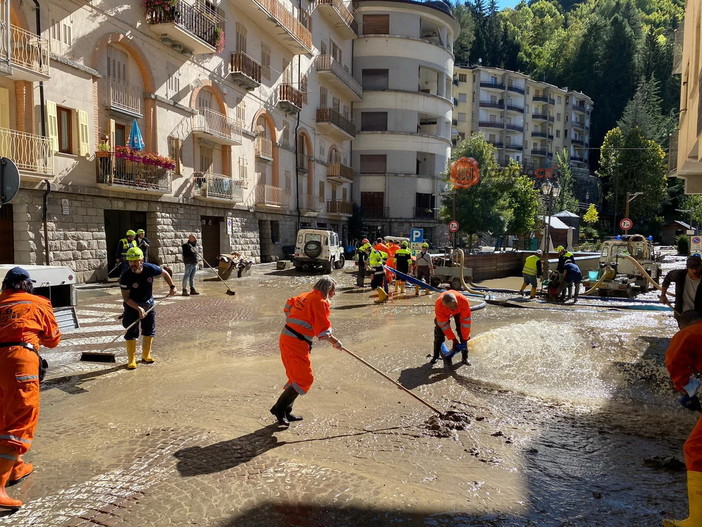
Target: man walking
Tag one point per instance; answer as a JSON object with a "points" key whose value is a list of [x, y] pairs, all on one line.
{"points": [[190, 260], [362, 253], [424, 267], [376, 260], [451, 304], [123, 246], [26, 322], [306, 317], [688, 294], [531, 273], [137, 293], [143, 243], [403, 257]]}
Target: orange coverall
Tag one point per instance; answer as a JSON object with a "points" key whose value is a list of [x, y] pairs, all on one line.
{"points": [[308, 315], [683, 358], [23, 318], [444, 314]]}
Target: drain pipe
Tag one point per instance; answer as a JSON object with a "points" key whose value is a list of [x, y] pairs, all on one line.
{"points": [[297, 146], [42, 100], [45, 214]]}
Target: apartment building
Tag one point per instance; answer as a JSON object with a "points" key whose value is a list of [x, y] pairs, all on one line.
{"points": [[245, 115], [684, 157], [528, 121], [403, 57]]}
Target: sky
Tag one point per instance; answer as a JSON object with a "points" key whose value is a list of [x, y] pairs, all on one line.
{"points": [[507, 3]]}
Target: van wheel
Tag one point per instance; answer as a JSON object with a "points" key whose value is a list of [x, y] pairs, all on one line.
{"points": [[326, 267], [456, 284], [339, 264]]}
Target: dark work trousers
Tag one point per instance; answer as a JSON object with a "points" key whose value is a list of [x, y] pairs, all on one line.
{"points": [[379, 278], [440, 337], [361, 275]]}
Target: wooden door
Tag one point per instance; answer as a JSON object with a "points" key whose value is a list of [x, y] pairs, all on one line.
{"points": [[210, 238]]}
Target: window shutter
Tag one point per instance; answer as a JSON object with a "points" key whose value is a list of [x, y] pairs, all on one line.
{"points": [[83, 134], [52, 118], [112, 134], [374, 121], [373, 163], [4, 108], [376, 24]]}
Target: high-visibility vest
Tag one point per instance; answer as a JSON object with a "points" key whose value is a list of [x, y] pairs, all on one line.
{"points": [[125, 245], [444, 315], [530, 265], [377, 258]]}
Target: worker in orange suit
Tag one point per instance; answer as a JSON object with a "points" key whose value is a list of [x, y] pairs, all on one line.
{"points": [[389, 275], [683, 360], [306, 317], [26, 322], [451, 304]]}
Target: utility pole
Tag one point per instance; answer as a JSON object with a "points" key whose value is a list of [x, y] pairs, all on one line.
{"points": [[629, 198]]}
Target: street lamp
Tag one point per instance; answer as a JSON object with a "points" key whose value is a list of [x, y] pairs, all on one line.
{"points": [[552, 191], [630, 196]]}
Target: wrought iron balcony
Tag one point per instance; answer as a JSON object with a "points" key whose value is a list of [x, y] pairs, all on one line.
{"points": [[135, 175], [263, 148], [209, 185], [244, 71], [216, 127], [27, 54], [331, 122], [30, 152], [270, 196], [339, 207], [491, 124], [516, 89], [492, 85], [289, 99], [514, 108], [515, 128], [185, 27], [124, 98], [339, 16], [275, 18], [492, 104], [540, 98], [340, 173], [334, 72], [539, 116]]}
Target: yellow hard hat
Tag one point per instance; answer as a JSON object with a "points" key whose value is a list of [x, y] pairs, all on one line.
{"points": [[425, 245], [130, 232], [560, 248], [134, 253], [141, 231], [405, 244]]}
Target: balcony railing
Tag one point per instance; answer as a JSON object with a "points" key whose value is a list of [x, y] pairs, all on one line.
{"points": [[219, 126], [678, 51], [424, 213], [312, 203], [515, 108], [327, 63], [244, 70], [577, 142], [271, 196], [263, 148], [540, 98], [342, 12], [515, 127], [539, 152], [26, 51], [273, 10], [197, 21], [330, 115], [539, 116], [374, 212], [339, 207], [29, 152], [124, 97], [579, 107], [491, 124], [339, 171], [492, 85], [491, 104], [516, 89], [539, 134], [123, 173], [289, 99], [211, 185]]}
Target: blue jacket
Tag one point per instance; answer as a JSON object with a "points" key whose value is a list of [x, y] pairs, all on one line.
{"points": [[572, 273]]}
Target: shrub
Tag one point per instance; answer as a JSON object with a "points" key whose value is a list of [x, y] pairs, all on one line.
{"points": [[683, 243]]}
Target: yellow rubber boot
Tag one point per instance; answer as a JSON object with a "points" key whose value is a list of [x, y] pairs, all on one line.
{"points": [[131, 354], [382, 295], [694, 495], [402, 287], [7, 461], [146, 350], [416, 290]]}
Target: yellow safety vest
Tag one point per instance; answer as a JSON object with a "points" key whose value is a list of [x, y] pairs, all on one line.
{"points": [[377, 258], [530, 265]]}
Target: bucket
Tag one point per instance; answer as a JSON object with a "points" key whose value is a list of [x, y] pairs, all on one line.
{"points": [[593, 275]]}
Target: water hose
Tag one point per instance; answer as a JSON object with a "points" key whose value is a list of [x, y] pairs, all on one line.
{"points": [[461, 256]]}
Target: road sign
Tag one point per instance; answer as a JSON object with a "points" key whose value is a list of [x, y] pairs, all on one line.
{"points": [[9, 180], [696, 245], [416, 235], [626, 224], [453, 226]]}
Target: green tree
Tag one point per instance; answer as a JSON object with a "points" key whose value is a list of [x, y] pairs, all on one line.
{"points": [[566, 198], [643, 112], [591, 216]]}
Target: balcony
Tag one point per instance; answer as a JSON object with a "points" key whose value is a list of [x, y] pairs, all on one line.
{"points": [[274, 18], [216, 187], [539, 117], [374, 212], [187, 28], [131, 175], [270, 196], [492, 85], [577, 159], [541, 98], [289, 99], [578, 124], [540, 153], [339, 207], [331, 71], [340, 173], [124, 98], [216, 127], [424, 213], [332, 123], [338, 16], [311, 204], [27, 58], [579, 142], [539, 134], [263, 148], [515, 108], [510, 146], [491, 124], [492, 104], [515, 128], [244, 71], [516, 89], [579, 107], [31, 153]]}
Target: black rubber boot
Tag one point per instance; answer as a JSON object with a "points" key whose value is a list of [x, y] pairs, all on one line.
{"points": [[285, 401], [464, 357], [193, 292], [438, 341], [288, 410]]}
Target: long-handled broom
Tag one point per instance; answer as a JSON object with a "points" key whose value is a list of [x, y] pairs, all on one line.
{"points": [[229, 290]]}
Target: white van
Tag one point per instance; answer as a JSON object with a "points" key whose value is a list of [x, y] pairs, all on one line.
{"points": [[316, 248]]}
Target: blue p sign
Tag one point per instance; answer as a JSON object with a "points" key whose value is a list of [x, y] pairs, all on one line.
{"points": [[416, 235]]}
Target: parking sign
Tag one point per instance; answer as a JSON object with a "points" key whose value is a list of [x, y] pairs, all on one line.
{"points": [[416, 235]]}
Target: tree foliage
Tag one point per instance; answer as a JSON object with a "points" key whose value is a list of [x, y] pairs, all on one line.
{"points": [[591, 216]]}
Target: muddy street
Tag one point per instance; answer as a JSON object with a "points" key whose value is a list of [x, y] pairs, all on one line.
{"points": [[565, 413]]}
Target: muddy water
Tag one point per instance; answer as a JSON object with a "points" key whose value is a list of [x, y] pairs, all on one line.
{"points": [[561, 407]]}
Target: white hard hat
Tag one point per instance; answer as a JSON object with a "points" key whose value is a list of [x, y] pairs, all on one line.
{"points": [[539, 252]]}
